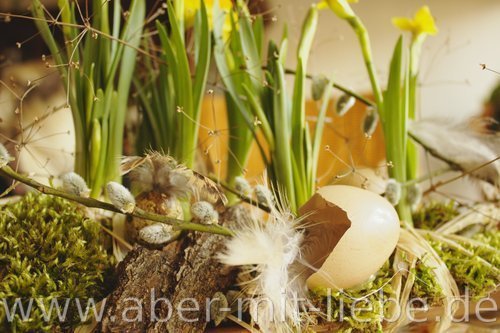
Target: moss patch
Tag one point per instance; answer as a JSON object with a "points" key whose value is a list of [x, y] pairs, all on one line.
{"points": [[360, 310], [434, 214], [48, 251]]}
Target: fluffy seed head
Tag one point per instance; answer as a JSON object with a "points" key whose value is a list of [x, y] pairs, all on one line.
{"points": [[414, 195], [156, 234], [242, 186], [120, 197], [393, 191], [319, 84], [4, 156], [73, 183], [158, 172], [263, 195], [204, 212], [180, 181], [370, 122]]}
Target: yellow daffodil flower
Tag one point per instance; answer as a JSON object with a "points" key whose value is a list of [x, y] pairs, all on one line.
{"points": [[340, 7], [421, 24], [192, 6]]}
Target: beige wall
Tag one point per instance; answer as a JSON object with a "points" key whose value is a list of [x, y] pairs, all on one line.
{"points": [[453, 85]]}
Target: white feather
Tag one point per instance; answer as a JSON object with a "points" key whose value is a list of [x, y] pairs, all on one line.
{"points": [[271, 248]]}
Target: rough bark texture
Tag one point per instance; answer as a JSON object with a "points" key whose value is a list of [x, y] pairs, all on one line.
{"points": [[186, 273], [144, 276]]}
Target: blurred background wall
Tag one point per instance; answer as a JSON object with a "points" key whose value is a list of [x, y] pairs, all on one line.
{"points": [[453, 84]]}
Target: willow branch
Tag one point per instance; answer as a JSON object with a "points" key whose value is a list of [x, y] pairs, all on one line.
{"points": [[348, 91], [461, 175], [243, 198], [93, 203]]}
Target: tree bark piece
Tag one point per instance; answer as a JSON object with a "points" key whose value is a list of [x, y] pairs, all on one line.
{"points": [[184, 274], [200, 277], [144, 276]]}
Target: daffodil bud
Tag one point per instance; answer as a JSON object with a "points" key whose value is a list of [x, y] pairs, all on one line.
{"points": [[393, 191], [156, 234], [344, 104], [120, 197], [73, 183], [263, 195], [4, 156], [204, 212], [370, 122], [242, 186], [341, 8], [319, 83]]}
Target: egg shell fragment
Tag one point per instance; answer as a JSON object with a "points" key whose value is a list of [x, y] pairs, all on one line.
{"points": [[365, 246]]}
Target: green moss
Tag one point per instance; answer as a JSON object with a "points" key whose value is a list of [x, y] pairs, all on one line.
{"points": [[425, 285], [434, 214], [48, 250], [369, 310], [470, 271], [492, 238]]}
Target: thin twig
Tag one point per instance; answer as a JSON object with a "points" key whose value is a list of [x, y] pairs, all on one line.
{"points": [[93, 203], [428, 176], [118, 238], [485, 67], [348, 91], [461, 175], [84, 27]]}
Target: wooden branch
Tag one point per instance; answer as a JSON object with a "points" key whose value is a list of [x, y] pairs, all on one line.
{"points": [[242, 197], [93, 203], [348, 91]]}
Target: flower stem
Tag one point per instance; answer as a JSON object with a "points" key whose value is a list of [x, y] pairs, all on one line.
{"points": [[364, 41]]}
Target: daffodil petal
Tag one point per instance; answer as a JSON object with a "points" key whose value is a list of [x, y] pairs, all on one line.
{"points": [[421, 24], [192, 6], [322, 5], [190, 9], [425, 21], [403, 23]]}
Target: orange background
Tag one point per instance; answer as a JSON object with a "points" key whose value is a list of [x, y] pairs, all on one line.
{"points": [[344, 135]]}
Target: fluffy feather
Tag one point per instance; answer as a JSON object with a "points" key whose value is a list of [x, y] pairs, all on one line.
{"points": [[162, 173], [460, 147], [271, 248]]}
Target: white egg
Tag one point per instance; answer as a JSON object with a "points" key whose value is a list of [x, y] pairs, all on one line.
{"points": [[365, 246]]}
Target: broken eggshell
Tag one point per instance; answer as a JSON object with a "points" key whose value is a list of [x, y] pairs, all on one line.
{"points": [[350, 233]]}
